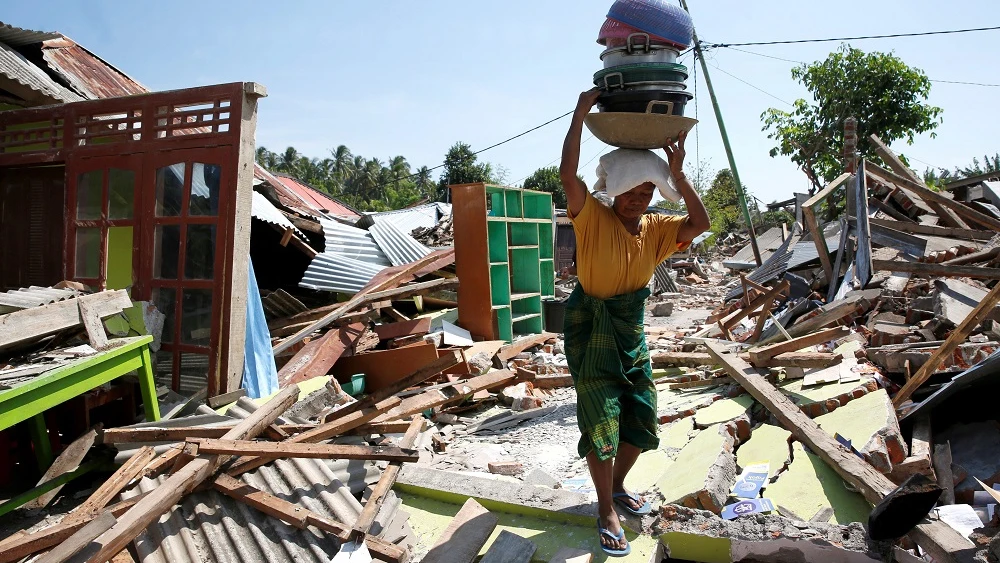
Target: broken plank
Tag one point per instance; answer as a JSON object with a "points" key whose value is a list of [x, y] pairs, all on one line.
{"points": [[334, 427], [543, 381], [758, 355], [509, 548], [447, 359], [383, 369], [456, 392], [225, 398], [31, 324], [319, 355], [941, 459], [90, 316], [185, 480], [131, 469], [275, 450], [873, 486], [738, 315], [412, 327], [182, 433], [809, 215], [787, 359], [78, 541], [465, 535], [515, 348], [937, 270], [299, 516], [67, 462], [709, 382], [919, 229], [827, 315], [386, 480], [957, 336]]}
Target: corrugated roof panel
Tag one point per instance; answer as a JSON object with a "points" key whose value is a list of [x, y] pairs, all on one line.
{"points": [[408, 219], [266, 211], [353, 243], [315, 198], [88, 74], [330, 271], [400, 247], [17, 37], [14, 66], [34, 296]]}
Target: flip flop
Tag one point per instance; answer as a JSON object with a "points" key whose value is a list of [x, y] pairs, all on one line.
{"points": [[641, 511], [619, 537]]}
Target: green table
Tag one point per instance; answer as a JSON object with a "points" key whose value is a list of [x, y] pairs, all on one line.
{"points": [[31, 399]]}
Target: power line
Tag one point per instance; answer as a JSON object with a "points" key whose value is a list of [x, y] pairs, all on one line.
{"points": [[557, 159], [887, 36], [966, 83], [717, 67]]}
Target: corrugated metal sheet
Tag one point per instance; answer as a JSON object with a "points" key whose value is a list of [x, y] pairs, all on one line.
{"points": [[266, 211], [316, 199], [34, 296], [211, 527], [88, 74], [400, 247], [14, 66], [767, 243], [353, 243], [279, 304], [330, 271], [408, 219], [17, 37]]}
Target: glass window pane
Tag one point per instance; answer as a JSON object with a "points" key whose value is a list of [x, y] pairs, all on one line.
{"points": [[204, 189], [121, 194], [164, 365], [89, 193], [194, 373], [169, 190], [166, 249], [88, 253], [165, 299], [196, 316], [199, 256]]}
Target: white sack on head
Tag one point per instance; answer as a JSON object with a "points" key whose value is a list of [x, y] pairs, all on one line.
{"points": [[623, 169]]}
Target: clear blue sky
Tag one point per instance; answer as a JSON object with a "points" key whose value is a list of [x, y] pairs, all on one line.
{"points": [[412, 78]]}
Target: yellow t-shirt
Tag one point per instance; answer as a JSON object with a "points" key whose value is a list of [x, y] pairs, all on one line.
{"points": [[611, 261]]}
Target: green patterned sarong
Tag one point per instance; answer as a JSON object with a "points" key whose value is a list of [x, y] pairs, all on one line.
{"points": [[608, 358]]}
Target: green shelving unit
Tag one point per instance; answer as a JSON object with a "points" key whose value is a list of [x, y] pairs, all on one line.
{"points": [[504, 259]]}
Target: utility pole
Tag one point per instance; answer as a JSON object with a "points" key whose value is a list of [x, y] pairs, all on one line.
{"points": [[725, 142]]}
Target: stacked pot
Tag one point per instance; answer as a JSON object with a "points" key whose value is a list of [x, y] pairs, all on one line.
{"points": [[643, 39]]}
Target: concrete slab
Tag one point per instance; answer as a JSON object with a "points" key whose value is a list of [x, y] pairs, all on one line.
{"points": [[677, 434], [870, 424], [703, 472], [647, 470], [723, 411], [822, 399], [696, 535], [430, 516], [955, 299], [767, 443], [809, 485]]}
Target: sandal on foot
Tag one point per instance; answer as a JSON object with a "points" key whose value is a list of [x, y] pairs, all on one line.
{"points": [[641, 511], [621, 536]]}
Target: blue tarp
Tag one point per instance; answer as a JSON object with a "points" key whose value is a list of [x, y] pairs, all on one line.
{"points": [[260, 376]]}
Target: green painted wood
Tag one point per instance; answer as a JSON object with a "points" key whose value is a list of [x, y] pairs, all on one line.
{"points": [[496, 236], [513, 203], [147, 386], [49, 485], [506, 331], [524, 270], [523, 234], [500, 284], [40, 439], [75, 378]]}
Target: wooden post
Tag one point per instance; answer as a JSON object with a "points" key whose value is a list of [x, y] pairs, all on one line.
{"points": [[809, 214], [387, 480]]}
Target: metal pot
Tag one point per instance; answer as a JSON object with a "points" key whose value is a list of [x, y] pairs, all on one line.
{"points": [[623, 76], [668, 102], [636, 51]]}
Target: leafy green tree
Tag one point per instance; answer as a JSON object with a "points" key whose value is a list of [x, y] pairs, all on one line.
{"points": [[461, 167], [775, 218], [547, 180], [886, 96], [723, 204], [988, 166]]}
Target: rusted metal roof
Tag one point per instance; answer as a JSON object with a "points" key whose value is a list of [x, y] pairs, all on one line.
{"points": [[14, 66], [18, 37], [317, 199], [88, 74]]}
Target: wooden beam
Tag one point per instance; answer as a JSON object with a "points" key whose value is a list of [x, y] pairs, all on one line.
{"points": [[874, 486], [330, 429], [809, 214], [299, 516], [937, 270], [181, 433], [67, 461], [92, 322], [957, 336], [759, 355], [387, 480], [164, 497], [319, 355], [929, 196], [918, 229], [81, 539], [738, 315], [31, 324], [947, 215], [226, 398], [447, 359], [115, 484], [787, 359], [465, 535], [276, 450], [828, 314], [941, 459], [438, 397], [413, 327], [509, 548], [515, 348], [709, 382]]}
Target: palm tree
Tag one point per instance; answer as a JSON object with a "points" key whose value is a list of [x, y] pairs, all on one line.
{"points": [[400, 168], [341, 162], [266, 158], [425, 184], [288, 161]]}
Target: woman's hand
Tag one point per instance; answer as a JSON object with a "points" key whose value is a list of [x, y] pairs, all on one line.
{"points": [[675, 155], [587, 100]]}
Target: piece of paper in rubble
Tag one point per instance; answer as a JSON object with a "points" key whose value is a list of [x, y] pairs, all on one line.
{"points": [[751, 480], [961, 517], [455, 335], [352, 552], [742, 507]]}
